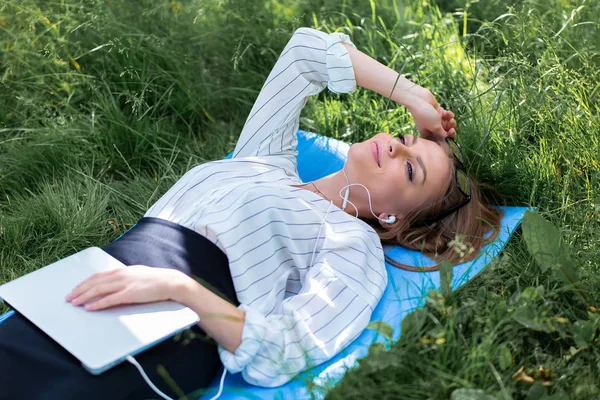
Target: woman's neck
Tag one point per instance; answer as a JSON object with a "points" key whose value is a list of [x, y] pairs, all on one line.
{"points": [[333, 188]]}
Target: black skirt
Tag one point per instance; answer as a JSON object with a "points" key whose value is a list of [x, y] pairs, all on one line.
{"points": [[33, 366]]}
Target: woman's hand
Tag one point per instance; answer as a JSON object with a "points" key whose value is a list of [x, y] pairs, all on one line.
{"points": [[134, 284], [433, 122], [142, 284]]}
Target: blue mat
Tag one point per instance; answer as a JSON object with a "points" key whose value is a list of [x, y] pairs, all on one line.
{"points": [[319, 156]]}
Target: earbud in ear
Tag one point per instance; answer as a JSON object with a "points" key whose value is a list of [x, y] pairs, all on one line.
{"points": [[390, 220]]}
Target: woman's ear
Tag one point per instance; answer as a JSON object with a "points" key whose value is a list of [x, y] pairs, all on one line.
{"points": [[388, 220]]}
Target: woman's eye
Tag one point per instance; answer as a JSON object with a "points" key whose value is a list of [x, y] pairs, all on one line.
{"points": [[410, 171], [401, 138]]}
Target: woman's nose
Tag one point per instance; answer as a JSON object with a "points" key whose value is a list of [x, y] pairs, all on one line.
{"points": [[397, 148]]}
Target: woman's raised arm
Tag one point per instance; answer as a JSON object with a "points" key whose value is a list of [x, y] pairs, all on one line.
{"points": [[311, 61], [431, 119]]}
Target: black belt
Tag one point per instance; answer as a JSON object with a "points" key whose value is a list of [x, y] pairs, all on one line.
{"points": [[163, 244]]}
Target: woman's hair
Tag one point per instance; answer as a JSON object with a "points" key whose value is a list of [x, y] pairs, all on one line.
{"points": [[457, 238]]}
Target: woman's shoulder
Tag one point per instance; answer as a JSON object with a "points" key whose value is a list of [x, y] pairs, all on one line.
{"points": [[370, 232], [358, 259], [351, 232]]}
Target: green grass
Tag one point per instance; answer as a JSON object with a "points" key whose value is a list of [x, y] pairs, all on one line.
{"points": [[104, 104]]}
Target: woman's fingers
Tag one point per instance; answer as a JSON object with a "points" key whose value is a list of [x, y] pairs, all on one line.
{"points": [[97, 291], [92, 281], [451, 124], [441, 112], [108, 301], [134, 284], [446, 124], [448, 121]]}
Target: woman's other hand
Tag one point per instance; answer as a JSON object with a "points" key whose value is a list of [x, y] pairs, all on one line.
{"points": [[447, 117], [448, 121], [130, 285], [433, 122]]}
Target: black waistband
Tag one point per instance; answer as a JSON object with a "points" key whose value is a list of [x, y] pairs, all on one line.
{"points": [[163, 244]]}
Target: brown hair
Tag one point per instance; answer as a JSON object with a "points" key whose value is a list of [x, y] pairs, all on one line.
{"points": [[459, 237]]}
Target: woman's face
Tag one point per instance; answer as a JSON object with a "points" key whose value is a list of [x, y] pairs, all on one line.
{"points": [[401, 172]]}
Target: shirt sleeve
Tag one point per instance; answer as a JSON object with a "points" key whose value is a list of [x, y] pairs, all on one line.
{"points": [[334, 306], [311, 61]]}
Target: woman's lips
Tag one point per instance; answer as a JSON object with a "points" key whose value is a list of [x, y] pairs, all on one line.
{"points": [[375, 151]]}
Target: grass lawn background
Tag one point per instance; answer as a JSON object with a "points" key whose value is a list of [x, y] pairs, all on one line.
{"points": [[105, 104]]}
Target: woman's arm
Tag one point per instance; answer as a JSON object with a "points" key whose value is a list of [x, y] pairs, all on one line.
{"points": [[334, 306], [220, 319], [431, 119], [142, 284], [311, 61]]}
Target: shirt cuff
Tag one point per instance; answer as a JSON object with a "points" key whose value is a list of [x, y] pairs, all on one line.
{"points": [[253, 332], [339, 65]]}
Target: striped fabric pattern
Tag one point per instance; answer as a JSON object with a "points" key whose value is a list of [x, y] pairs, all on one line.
{"points": [[297, 314]]}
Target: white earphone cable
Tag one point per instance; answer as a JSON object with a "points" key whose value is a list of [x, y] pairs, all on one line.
{"points": [[319, 234], [215, 397], [347, 194], [157, 390], [148, 381], [390, 220]]}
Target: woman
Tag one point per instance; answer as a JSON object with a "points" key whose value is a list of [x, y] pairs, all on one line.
{"points": [[305, 271]]}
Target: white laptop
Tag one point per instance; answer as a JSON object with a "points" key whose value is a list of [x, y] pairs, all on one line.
{"points": [[99, 339]]}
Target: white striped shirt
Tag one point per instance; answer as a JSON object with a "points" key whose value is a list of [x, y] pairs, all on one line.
{"points": [[297, 314]]}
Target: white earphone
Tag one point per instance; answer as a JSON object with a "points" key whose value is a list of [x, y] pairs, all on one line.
{"points": [[390, 220]]}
